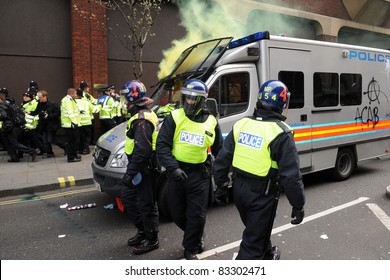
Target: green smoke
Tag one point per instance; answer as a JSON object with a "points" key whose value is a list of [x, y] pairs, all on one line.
{"points": [[210, 19], [203, 20]]}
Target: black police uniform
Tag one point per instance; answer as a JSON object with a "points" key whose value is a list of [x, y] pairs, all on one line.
{"points": [[49, 122], [12, 133], [256, 207], [139, 200], [188, 200]]}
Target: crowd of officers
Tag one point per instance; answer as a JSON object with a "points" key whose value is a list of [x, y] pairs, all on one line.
{"points": [[260, 150], [31, 127]]}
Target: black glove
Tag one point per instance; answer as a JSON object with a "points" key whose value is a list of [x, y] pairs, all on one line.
{"points": [[178, 174], [8, 126], [298, 214], [221, 196], [126, 180]]}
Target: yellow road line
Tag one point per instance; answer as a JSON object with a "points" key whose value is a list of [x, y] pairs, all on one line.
{"points": [[20, 200]]}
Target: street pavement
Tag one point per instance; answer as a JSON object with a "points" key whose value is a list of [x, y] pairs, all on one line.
{"points": [[27, 177]]}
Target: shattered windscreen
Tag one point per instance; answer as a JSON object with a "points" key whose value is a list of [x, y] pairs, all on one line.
{"points": [[194, 62]]}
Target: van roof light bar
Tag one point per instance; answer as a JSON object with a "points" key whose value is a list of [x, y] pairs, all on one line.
{"points": [[249, 39]]}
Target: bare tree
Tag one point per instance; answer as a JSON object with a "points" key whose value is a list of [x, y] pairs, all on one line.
{"points": [[137, 19]]}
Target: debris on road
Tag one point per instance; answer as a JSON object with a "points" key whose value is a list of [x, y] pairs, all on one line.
{"points": [[82, 206], [109, 206], [324, 236]]}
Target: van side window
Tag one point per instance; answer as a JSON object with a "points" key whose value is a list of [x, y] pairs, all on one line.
{"points": [[350, 89], [231, 92], [325, 89], [295, 84]]}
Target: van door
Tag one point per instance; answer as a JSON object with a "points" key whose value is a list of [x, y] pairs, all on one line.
{"points": [[232, 86], [291, 66]]}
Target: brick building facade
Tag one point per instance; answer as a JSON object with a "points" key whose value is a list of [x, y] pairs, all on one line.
{"points": [[89, 43], [49, 42]]}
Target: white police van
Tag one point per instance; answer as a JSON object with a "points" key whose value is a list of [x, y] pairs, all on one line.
{"points": [[339, 106]]}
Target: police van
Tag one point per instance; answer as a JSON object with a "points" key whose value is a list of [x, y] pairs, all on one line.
{"points": [[339, 107]]}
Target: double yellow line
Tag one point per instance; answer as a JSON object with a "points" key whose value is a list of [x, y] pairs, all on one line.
{"points": [[44, 197]]}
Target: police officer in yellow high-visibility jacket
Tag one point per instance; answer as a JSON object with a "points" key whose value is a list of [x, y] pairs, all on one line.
{"points": [[31, 135], [262, 151], [182, 148], [85, 89], [84, 86], [118, 105], [70, 122], [138, 192], [106, 115], [86, 108]]}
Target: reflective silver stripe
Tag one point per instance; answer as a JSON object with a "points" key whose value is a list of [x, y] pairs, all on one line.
{"points": [[107, 108], [96, 109]]}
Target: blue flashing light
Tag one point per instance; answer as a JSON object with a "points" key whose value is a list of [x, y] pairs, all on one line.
{"points": [[249, 39]]}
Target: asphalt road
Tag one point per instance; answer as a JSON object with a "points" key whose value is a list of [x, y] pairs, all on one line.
{"points": [[346, 220]]}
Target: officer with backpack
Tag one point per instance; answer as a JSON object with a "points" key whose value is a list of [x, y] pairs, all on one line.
{"points": [[182, 148], [138, 194]]}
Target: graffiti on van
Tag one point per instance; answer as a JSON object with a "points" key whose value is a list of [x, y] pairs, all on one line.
{"points": [[369, 115]]}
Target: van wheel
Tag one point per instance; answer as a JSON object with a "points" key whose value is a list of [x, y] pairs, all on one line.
{"points": [[345, 164], [162, 200]]}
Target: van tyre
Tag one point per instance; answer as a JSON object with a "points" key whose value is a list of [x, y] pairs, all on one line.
{"points": [[345, 164]]}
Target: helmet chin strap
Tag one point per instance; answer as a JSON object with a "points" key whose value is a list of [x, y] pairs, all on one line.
{"points": [[133, 110], [144, 101]]}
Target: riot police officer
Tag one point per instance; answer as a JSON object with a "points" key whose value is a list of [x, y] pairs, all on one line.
{"points": [[262, 151], [182, 148], [138, 193]]}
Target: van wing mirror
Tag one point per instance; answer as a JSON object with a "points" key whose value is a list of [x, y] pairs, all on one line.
{"points": [[211, 104]]}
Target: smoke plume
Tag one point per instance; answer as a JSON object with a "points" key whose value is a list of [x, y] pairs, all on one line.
{"points": [[203, 20], [210, 19]]}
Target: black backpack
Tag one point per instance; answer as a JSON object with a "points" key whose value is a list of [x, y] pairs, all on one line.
{"points": [[3, 112], [18, 117]]}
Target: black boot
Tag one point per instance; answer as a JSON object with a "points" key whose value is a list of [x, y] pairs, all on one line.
{"points": [[273, 254], [201, 245], [151, 243], [189, 256], [138, 239]]}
